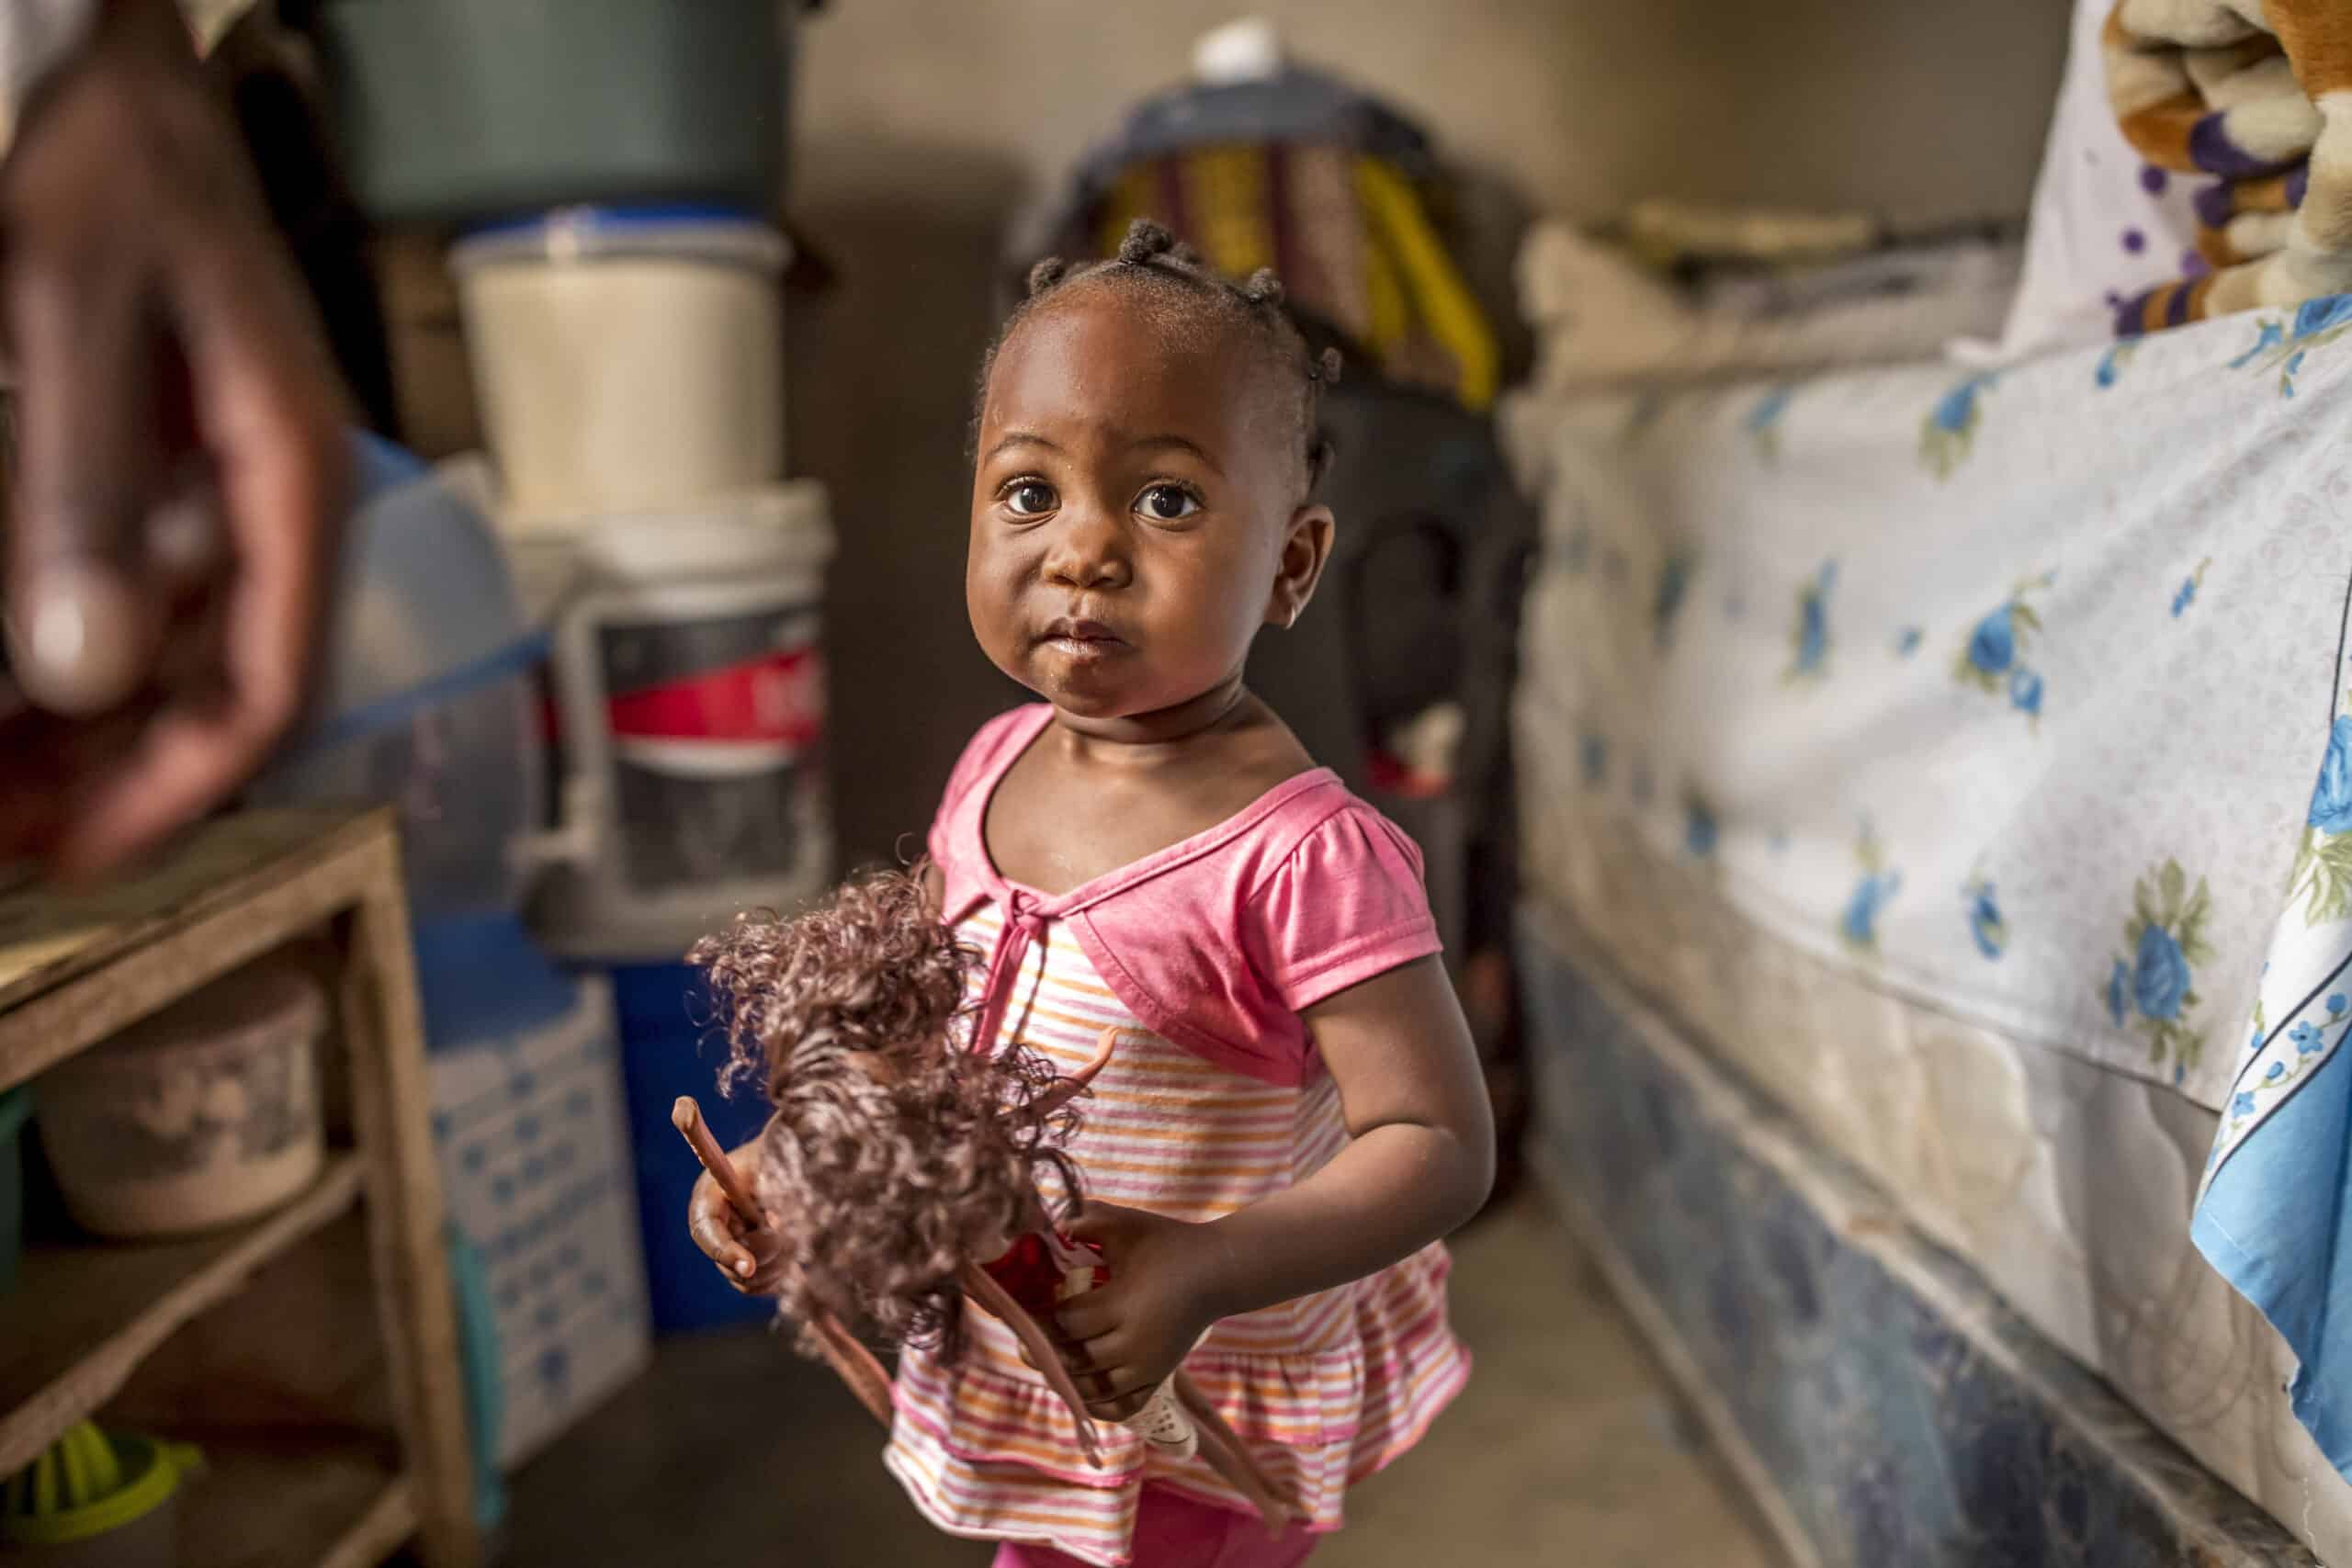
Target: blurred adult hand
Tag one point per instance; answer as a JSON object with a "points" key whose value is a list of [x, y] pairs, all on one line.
{"points": [[181, 460]]}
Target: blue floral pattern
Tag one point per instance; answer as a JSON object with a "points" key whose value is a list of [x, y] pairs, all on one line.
{"points": [[1858, 924], [2281, 346], [1993, 658], [2025, 692], [2111, 364], [1908, 641], [2322, 876], [1986, 924], [2313, 1037], [1950, 430], [2152, 987], [1763, 422], [1810, 638], [2186, 594]]}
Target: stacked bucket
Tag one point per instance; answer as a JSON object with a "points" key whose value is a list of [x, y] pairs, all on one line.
{"points": [[606, 173], [629, 367]]}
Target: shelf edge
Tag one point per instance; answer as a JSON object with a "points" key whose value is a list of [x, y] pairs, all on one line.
{"points": [[389, 1522], [78, 1391]]}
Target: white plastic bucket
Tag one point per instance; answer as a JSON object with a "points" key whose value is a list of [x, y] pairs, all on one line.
{"points": [[690, 690], [625, 360]]}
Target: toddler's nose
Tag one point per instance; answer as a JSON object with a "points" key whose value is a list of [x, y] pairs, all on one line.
{"points": [[1089, 551]]}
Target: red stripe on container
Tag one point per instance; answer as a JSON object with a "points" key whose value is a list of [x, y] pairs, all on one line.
{"points": [[776, 697]]}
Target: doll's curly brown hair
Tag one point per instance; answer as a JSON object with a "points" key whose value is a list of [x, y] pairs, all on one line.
{"points": [[894, 1151]]}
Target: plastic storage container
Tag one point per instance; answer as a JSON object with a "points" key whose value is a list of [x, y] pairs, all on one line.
{"points": [[16, 1107], [452, 110], [667, 1050], [690, 697], [93, 1501], [535, 1166], [201, 1116], [426, 698], [624, 359]]}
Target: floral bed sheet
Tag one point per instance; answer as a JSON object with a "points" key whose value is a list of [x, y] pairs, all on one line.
{"points": [[2015, 698]]}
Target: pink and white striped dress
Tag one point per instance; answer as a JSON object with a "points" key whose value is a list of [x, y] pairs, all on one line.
{"points": [[1306, 893]]}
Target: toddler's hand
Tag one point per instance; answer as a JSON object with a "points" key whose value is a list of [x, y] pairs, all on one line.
{"points": [[752, 1258], [1123, 1340]]}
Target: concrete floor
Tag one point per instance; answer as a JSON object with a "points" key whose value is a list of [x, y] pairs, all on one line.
{"points": [[1566, 1448]]}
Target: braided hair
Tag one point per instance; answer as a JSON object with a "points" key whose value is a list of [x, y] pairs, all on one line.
{"points": [[1151, 258]]}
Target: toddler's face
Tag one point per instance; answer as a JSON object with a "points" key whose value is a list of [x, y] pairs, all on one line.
{"points": [[1134, 498]]}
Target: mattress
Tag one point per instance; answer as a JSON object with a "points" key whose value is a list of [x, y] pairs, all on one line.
{"points": [[1870, 725], [1880, 1405]]}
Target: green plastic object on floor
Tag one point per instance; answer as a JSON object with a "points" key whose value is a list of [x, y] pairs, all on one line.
{"points": [[96, 1501]]}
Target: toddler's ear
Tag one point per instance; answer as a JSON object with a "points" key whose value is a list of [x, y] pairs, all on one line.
{"points": [[1306, 552]]}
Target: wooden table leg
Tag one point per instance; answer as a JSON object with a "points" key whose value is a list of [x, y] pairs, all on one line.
{"points": [[383, 1029]]}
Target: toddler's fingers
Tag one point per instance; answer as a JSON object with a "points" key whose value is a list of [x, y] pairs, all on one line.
{"points": [[731, 1257], [1118, 1409], [712, 1224], [1115, 1383], [1089, 1317], [1107, 1226]]}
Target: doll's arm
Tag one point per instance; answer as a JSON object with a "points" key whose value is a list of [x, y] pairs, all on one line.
{"points": [[1230, 1456], [982, 1287]]}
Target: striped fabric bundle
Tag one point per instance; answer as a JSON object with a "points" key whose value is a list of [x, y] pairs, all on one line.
{"points": [[2260, 95], [1348, 231]]}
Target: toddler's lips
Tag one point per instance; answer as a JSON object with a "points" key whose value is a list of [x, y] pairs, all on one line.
{"points": [[1082, 640]]}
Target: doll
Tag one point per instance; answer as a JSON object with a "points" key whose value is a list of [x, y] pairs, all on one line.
{"points": [[904, 1173]]}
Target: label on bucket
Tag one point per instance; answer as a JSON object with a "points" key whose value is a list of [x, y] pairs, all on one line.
{"points": [[778, 697], [713, 727]]}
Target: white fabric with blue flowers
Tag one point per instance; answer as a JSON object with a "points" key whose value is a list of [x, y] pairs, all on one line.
{"points": [[2008, 690]]}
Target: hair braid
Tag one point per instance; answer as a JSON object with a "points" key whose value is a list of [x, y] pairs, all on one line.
{"points": [[1148, 255]]}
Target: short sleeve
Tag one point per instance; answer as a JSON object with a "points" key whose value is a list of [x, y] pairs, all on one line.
{"points": [[1347, 904]]}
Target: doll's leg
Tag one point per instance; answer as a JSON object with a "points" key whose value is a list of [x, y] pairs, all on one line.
{"points": [[1164, 1424]]}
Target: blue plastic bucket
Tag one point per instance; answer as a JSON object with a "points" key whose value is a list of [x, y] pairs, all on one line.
{"points": [[668, 1049]]}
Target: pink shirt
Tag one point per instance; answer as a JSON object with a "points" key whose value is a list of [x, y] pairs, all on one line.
{"points": [[1220, 941], [1196, 959]]}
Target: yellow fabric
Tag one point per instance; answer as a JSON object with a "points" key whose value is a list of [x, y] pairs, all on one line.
{"points": [[1391, 286], [1227, 198], [1445, 300]]}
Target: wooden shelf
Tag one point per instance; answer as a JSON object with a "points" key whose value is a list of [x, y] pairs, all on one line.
{"points": [[230, 891], [85, 1316], [76, 967], [298, 1503]]}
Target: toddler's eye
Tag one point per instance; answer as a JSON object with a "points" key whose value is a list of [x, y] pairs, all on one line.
{"points": [[1167, 503], [1030, 498]]}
